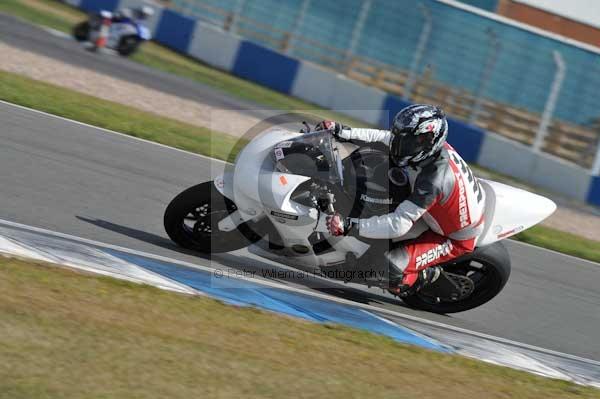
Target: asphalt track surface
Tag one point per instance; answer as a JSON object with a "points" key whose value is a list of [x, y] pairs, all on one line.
{"points": [[83, 181]]}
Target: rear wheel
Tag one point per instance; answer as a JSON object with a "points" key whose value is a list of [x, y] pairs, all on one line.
{"points": [[191, 221], [488, 268], [81, 31]]}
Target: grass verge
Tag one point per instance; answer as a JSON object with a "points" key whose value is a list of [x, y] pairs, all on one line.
{"points": [[48, 13], [557, 240], [118, 339], [92, 110]]}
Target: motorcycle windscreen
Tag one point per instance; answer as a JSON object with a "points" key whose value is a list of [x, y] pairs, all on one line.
{"points": [[309, 155]]}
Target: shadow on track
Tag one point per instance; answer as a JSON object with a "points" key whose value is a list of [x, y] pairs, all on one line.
{"points": [[253, 267]]}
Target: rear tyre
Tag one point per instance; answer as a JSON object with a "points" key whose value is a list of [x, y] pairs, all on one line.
{"points": [[81, 31], [489, 269], [191, 221], [128, 45]]}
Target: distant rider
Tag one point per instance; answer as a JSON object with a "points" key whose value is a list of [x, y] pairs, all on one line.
{"points": [[444, 193], [136, 14]]}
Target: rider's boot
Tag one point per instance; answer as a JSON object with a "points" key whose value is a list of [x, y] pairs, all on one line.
{"points": [[412, 283]]}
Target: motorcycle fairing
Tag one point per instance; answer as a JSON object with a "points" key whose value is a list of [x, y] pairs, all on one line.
{"points": [[257, 189], [260, 190], [510, 210], [143, 32], [119, 30], [255, 182]]}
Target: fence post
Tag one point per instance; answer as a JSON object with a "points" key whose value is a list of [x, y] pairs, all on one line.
{"points": [[486, 74], [561, 69], [414, 67], [227, 22], [297, 25], [235, 15], [358, 28], [596, 167]]}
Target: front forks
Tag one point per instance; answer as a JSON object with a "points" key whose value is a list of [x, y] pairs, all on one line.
{"points": [[231, 222]]}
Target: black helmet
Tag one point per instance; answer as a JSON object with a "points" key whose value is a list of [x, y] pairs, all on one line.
{"points": [[419, 132], [144, 12]]}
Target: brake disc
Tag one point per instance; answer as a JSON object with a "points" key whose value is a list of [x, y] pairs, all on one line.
{"points": [[464, 284], [450, 287]]}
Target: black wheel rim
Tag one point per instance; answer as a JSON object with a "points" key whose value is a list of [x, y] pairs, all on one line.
{"points": [[201, 222], [483, 275]]}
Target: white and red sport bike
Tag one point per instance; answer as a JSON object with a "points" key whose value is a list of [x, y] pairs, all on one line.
{"points": [[271, 199]]}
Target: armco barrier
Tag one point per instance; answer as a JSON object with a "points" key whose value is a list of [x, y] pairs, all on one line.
{"points": [[466, 139], [594, 191], [97, 5], [391, 105], [356, 100], [213, 47], [544, 170], [265, 66], [494, 155], [560, 176], [314, 84], [329, 89], [175, 30]]}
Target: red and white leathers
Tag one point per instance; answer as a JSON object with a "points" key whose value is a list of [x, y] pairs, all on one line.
{"points": [[444, 193]]}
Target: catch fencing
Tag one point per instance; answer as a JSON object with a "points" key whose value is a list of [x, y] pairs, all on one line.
{"points": [[529, 86]]}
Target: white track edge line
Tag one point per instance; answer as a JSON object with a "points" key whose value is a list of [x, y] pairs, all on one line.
{"points": [[54, 259], [526, 244], [110, 131], [57, 33], [305, 292], [412, 331]]}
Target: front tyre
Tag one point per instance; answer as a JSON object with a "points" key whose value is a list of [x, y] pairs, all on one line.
{"points": [[128, 45], [488, 268], [191, 221]]}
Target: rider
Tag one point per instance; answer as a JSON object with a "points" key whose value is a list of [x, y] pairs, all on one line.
{"points": [[444, 193], [137, 14]]}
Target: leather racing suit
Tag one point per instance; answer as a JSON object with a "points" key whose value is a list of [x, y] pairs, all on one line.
{"points": [[444, 193]]}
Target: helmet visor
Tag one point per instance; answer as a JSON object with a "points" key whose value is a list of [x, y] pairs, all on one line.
{"points": [[406, 145]]}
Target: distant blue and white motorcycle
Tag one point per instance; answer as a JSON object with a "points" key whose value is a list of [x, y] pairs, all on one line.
{"points": [[122, 31]]}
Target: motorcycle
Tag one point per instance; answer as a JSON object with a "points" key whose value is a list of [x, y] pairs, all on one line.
{"points": [[124, 33], [271, 199]]}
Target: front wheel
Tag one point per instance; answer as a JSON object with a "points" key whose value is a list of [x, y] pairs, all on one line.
{"points": [[191, 221], [488, 268], [128, 45]]}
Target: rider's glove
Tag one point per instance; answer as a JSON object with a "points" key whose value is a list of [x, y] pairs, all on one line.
{"points": [[338, 225], [335, 127]]}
